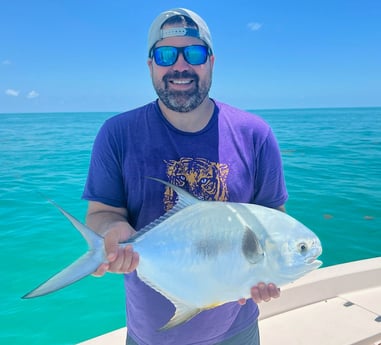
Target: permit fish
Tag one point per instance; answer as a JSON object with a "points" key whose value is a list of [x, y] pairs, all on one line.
{"points": [[202, 254]]}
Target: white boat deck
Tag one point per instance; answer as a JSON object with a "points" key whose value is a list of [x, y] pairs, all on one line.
{"points": [[337, 305]]}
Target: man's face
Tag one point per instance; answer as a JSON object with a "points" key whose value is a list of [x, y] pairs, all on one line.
{"points": [[182, 87]]}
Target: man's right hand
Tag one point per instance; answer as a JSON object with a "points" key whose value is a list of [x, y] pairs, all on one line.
{"points": [[120, 260]]}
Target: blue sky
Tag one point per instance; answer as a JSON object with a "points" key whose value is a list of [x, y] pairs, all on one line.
{"points": [[90, 55]]}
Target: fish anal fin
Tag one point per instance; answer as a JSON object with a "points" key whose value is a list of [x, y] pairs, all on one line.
{"points": [[183, 314], [251, 247]]}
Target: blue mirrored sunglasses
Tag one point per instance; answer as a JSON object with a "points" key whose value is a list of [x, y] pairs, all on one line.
{"points": [[168, 55]]}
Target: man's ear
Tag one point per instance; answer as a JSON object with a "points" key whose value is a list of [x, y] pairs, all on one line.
{"points": [[149, 64]]}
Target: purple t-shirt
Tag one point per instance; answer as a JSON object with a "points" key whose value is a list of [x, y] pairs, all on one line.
{"points": [[234, 158]]}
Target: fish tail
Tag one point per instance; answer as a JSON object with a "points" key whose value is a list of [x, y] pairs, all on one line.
{"points": [[82, 267]]}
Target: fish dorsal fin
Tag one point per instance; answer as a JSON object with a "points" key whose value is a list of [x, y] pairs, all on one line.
{"points": [[185, 199], [182, 314], [251, 247]]}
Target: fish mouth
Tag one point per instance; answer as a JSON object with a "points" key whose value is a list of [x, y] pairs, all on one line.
{"points": [[313, 263], [311, 260], [309, 265]]}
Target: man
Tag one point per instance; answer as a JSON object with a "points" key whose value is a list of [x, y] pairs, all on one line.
{"points": [[215, 151]]}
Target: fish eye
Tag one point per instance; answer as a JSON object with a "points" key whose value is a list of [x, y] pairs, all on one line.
{"points": [[302, 247]]}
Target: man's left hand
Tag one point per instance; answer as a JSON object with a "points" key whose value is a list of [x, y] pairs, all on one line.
{"points": [[262, 292]]}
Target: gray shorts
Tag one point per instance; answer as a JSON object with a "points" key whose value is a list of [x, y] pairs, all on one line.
{"points": [[249, 336]]}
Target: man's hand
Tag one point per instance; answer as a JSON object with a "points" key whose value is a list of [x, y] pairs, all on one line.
{"points": [[120, 260], [262, 292]]}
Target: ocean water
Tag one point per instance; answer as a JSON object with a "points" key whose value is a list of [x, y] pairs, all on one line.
{"points": [[332, 162]]}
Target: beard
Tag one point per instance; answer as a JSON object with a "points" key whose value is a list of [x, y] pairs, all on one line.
{"points": [[183, 101]]}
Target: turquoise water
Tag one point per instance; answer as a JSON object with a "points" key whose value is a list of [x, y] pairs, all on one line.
{"points": [[332, 161]]}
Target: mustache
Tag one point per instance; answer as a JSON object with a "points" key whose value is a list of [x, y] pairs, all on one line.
{"points": [[180, 75]]}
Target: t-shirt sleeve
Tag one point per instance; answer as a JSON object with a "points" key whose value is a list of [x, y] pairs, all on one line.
{"points": [[105, 180], [271, 187]]}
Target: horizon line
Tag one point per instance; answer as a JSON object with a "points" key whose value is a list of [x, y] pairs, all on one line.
{"points": [[248, 110]]}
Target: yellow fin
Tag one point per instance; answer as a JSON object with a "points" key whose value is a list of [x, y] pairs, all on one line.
{"points": [[213, 305], [183, 313]]}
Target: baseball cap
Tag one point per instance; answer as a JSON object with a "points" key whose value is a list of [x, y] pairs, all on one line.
{"points": [[156, 33]]}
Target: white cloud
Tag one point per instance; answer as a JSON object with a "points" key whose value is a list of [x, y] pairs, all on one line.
{"points": [[254, 26], [11, 92], [32, 94]]}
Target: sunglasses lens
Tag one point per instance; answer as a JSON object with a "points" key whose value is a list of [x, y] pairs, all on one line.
{"points": [[167, 56], [196, 55]]}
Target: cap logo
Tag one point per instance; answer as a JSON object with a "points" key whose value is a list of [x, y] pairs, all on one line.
{"points": [[180, 32]]}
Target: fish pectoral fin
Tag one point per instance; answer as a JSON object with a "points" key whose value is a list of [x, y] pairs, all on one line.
{"points": [[251, 247], [183, 314]]}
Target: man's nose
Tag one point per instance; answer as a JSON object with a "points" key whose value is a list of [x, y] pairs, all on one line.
{"points": [[181, 64]]}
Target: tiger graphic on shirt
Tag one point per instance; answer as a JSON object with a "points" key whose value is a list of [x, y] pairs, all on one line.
{"points": [[204, 179]]}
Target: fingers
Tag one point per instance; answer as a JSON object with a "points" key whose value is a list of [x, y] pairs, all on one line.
{"points": [[101, 270], [112, 240], [125, 261], [263, 292], [242, 301], [120, 259]]}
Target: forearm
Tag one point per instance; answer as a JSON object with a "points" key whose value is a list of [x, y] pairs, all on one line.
{"points": [[102, 221], [102, 218]]}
